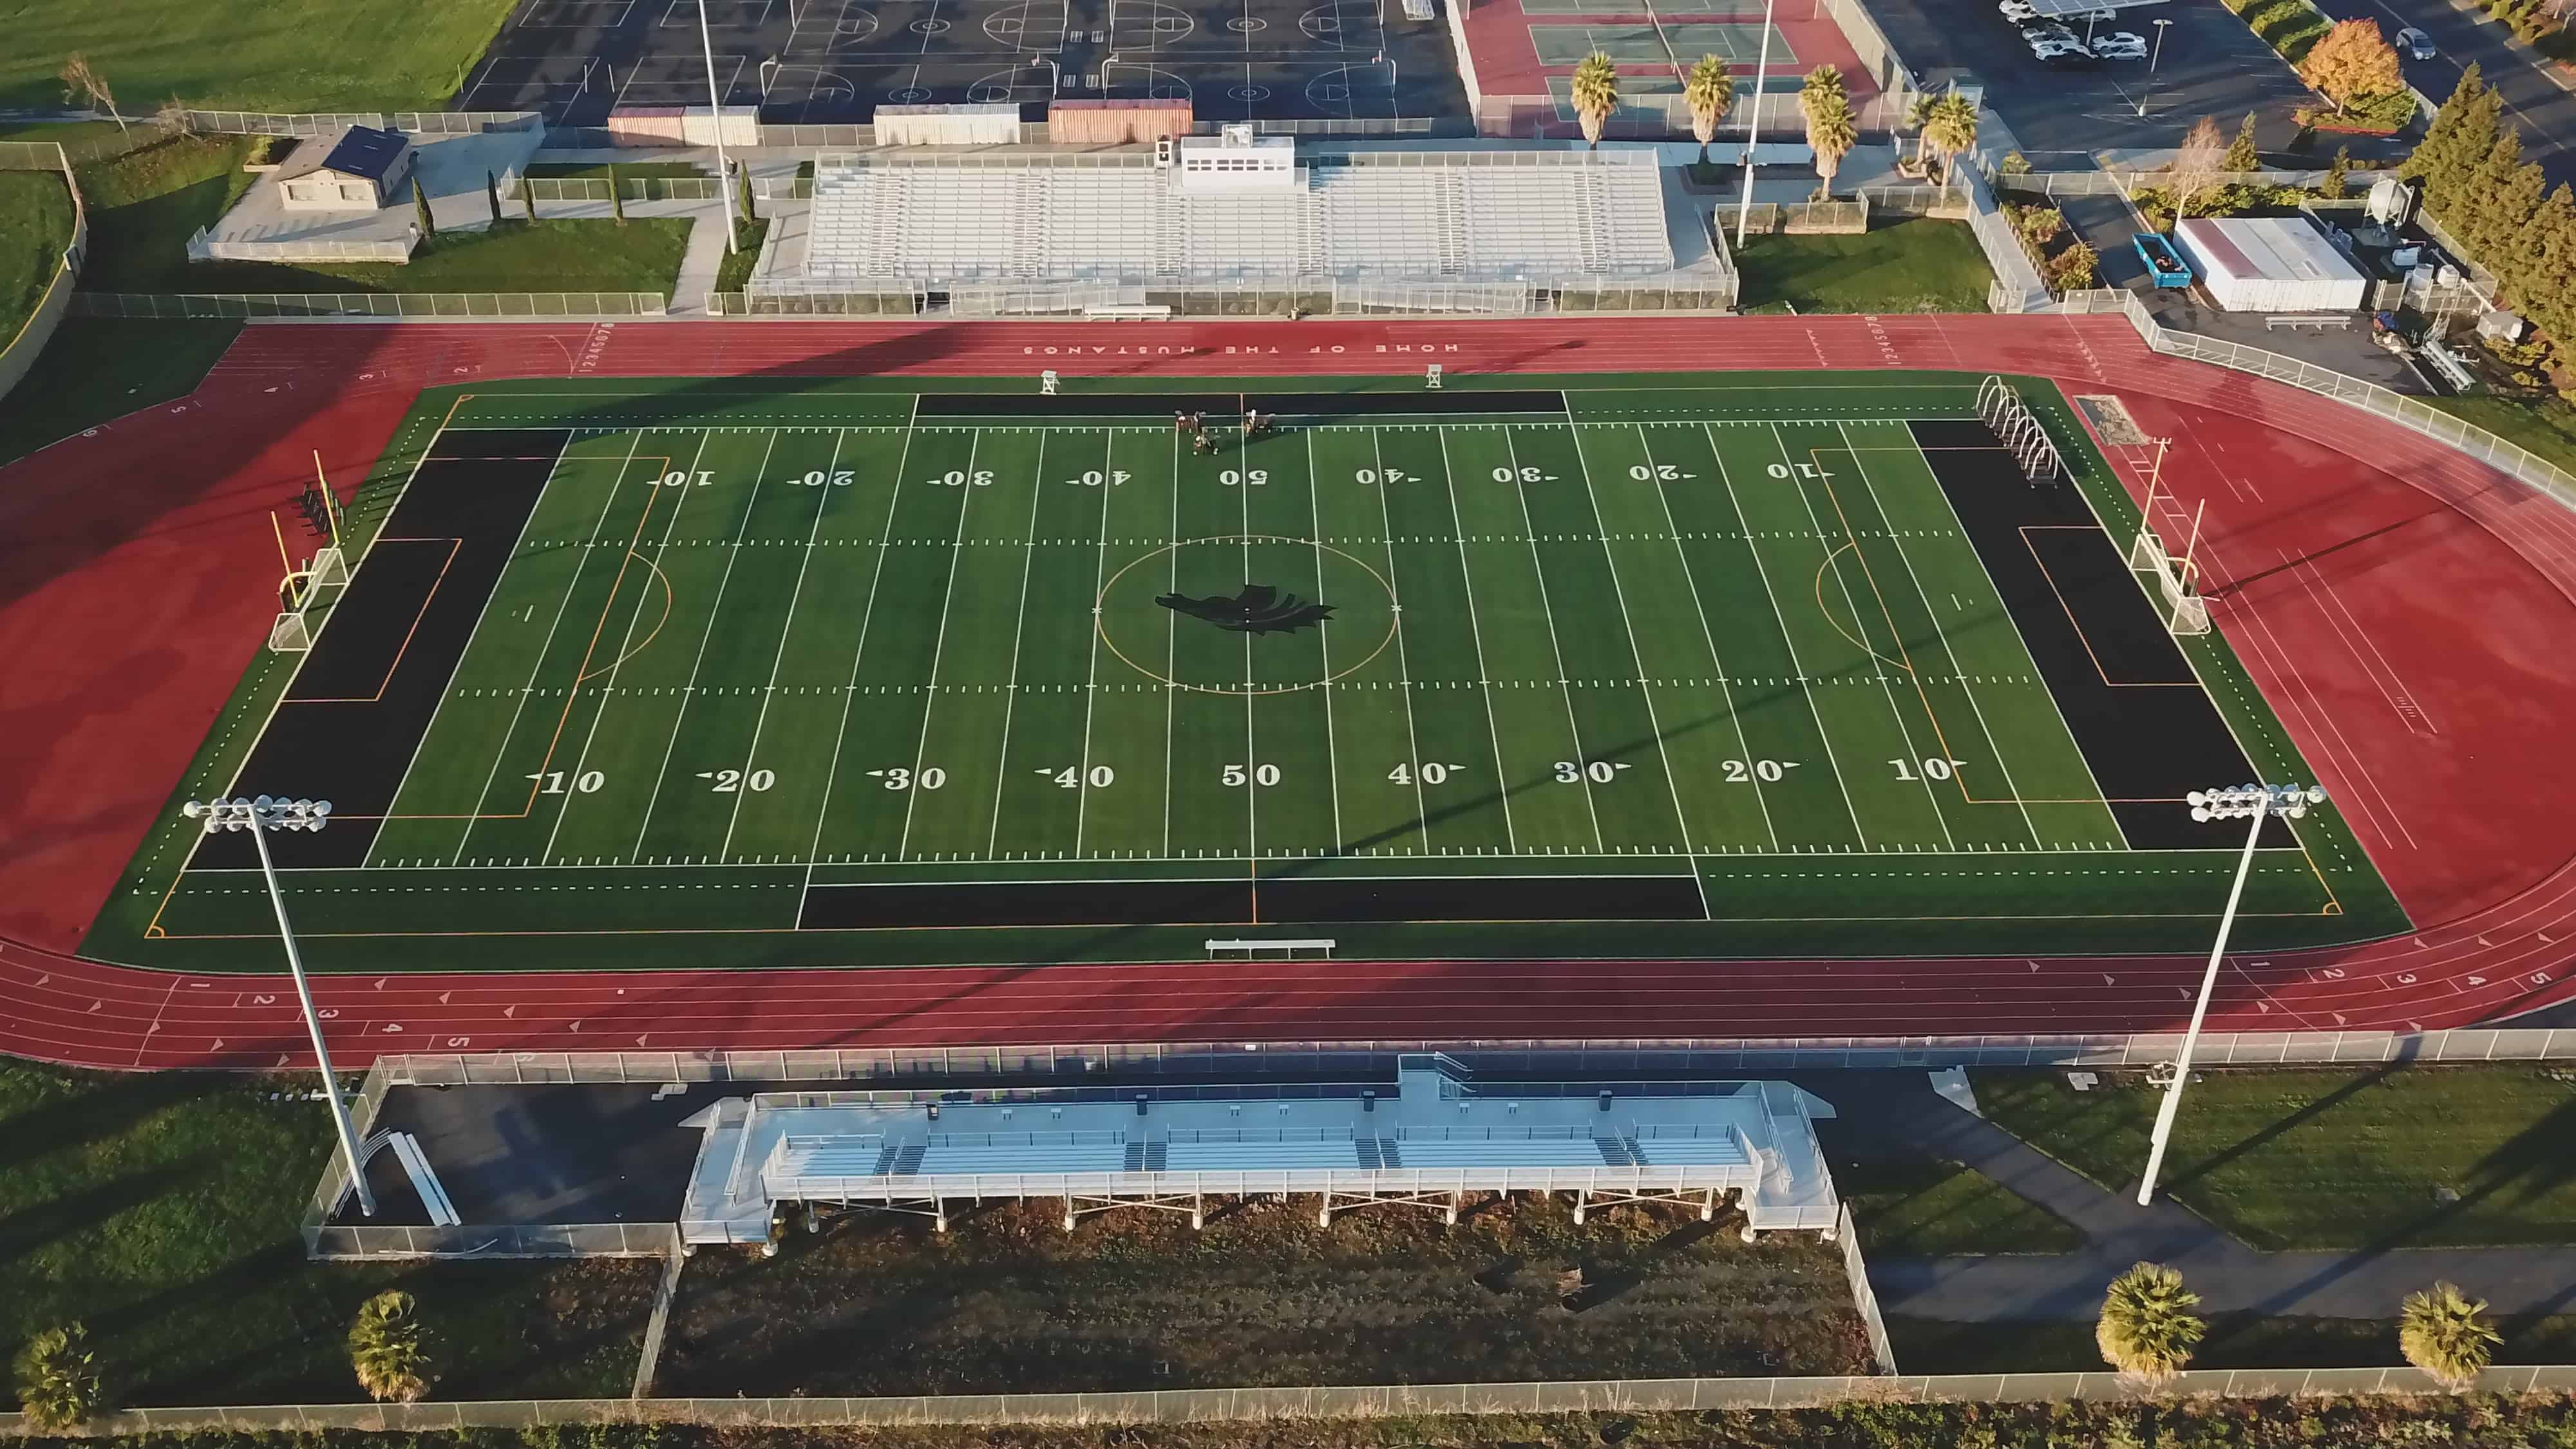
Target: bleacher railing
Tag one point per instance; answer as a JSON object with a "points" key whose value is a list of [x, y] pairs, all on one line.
{"points": [[18, 355], [483, 306]]}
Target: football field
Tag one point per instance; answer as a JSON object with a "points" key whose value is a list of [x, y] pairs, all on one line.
{"points": [[1675, 665]]}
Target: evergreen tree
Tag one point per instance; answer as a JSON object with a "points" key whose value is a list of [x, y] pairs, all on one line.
{"points": [[2241, 155], [616, 196], [420, 208], [2441, 137], [2506, 248], [2338, 174], [492, 192], [2549, 293], [2473, 212]]}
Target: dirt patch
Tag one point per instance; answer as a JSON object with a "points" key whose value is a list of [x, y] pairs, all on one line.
{"points": [[1008, 1301]]}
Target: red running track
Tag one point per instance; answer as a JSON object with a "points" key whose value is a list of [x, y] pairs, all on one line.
{"points": [[2404, 609]]}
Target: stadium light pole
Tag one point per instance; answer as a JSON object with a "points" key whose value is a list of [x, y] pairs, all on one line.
{"points": [[1753, 126], [2258, 803], [260, 816], [715, 108]]}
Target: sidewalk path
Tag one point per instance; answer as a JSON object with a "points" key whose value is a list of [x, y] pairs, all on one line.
{"points": [[699, 266], [1887, 1113]]}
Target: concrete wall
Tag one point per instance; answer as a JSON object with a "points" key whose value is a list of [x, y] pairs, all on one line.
{"points": [[18, 357]]}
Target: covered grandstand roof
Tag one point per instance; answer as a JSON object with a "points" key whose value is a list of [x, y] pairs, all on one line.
{"points": [[1437, 1132], [1463, 215]]}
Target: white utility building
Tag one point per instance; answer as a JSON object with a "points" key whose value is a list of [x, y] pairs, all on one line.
{"points": [[2270, 264], [1438, 1135]]}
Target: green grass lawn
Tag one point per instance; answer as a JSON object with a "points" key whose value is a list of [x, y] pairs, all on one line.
{"points": [[293, 55], [162, 1211], [1929, 1209], [97, 369], [642, 255], [35, 226], [2236, 1340], [2328, 1159], [1917, 265], [145, 205], [2545, 425]]}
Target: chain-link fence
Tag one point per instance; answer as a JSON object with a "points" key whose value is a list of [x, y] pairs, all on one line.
{"points": [[1179, 1406], [415, 123], [524, 1240], [393, 306], [2513, 459], [1075, 1062]]}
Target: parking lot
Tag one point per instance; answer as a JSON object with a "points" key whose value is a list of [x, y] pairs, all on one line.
{"points": [[2211, 64]]}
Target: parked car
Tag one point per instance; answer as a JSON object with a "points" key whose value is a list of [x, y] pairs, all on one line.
{"points": [[2063, 52], [2049, 32], [2019, 12], [2119, 45], [2414, 43]]}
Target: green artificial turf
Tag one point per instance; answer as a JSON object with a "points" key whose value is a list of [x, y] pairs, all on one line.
{"points": [[2328, 1159], [746, 708], [1926, 1209], [1916, 265], [162, 1210], [35, 226], [297, 55], [96, 369]]}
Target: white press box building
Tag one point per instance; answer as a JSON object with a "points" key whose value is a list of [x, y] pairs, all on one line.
{"points": [[1436, 1136]]}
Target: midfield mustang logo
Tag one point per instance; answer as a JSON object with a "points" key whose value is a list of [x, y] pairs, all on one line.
{"points": [[1259, 609]]}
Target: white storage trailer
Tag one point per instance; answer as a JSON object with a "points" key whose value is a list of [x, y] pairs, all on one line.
{"points": [[2270, 264]]}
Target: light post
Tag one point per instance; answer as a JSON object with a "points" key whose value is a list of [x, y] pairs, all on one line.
{"points": [[715, 108], [1753, 125], [768, 73], [2258, 803], [260, 816], [2149, 88]]}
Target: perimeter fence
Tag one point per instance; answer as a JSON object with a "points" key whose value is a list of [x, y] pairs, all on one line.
{"points": [[1184, 1406], [414, 306]]}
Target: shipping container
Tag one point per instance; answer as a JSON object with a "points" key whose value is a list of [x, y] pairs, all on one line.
{"points": [[2270, 264], [1117, 123]]}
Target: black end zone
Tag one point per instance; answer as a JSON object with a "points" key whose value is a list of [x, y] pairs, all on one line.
{"points": [[2146, 727], [360, 703], [1239, 902], [1083, 406]]}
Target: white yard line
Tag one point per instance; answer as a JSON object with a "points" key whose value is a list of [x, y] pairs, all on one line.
{"points": [[1324, 641], [1878, 665], [1708, 636], [939, 647], [1091, 687], [1565, 687], [1993, 747], [723, 582], [1475, 630], [1251, 751], [751, 755], [1019, 630], [479, 615], [608, 691], [1788, 640], [502, 750], [1619, 591], [850, 690], [1171, 637]]}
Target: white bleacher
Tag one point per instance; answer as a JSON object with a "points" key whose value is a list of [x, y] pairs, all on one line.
{"points": [[1525, 1152], [1023, 1152], [1698, 1149], [1259, 1156], [1462, 216]]}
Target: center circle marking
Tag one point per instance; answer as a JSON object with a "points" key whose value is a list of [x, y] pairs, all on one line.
{"points": [[1100, 621]]}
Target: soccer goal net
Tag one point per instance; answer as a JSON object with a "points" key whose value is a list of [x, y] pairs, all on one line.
{"points": [[2018, 428], [2186, 612]]}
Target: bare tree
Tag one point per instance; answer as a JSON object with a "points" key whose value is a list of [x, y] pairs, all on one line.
{"points": [[2197, 164], [80, 78]]}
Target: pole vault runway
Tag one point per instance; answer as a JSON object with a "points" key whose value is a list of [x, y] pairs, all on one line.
{"points": [[2403, 608]]}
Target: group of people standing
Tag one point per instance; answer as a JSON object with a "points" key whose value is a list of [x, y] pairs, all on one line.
{"points": [[1255, 425]]}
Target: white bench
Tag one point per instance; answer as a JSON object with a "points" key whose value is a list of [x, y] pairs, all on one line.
{"points": [[2328, 321], [1252, 949]]}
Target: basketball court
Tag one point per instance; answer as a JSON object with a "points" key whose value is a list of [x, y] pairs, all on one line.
{"points": [[835, 61]]}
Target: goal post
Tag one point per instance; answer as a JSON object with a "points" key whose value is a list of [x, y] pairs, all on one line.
{"points": [[290, 634], [2177, 579]]}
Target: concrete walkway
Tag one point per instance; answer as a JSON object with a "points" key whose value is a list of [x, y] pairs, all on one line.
{"points": [[698, 267], [1898, 1114]]}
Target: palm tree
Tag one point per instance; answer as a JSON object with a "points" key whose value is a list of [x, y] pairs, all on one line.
{"points": [[1595, 92], [2444, 1332], [389, 1349], [1919, 116], [1823, 81], [58, 1380], [1710, 93], [2148, 1330], [1950, 129], [1831, 129]]}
